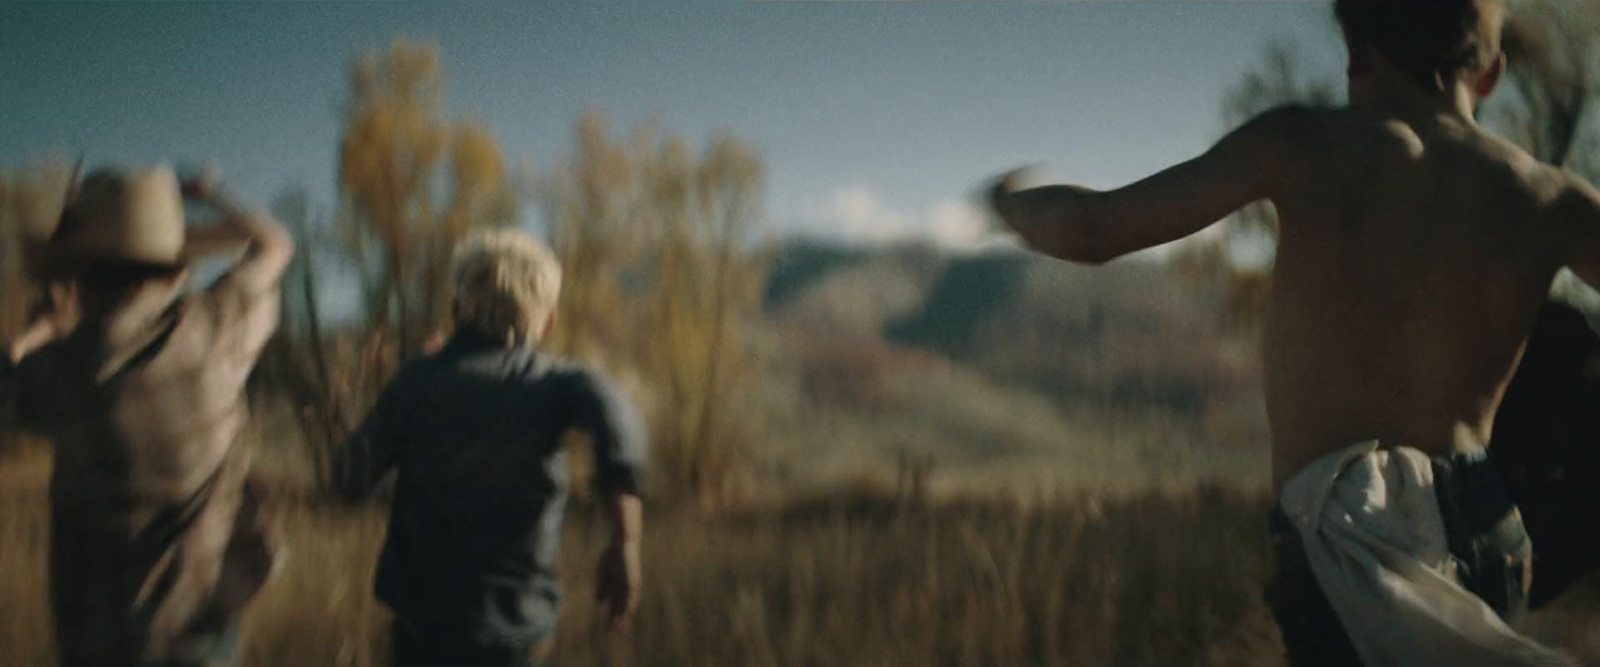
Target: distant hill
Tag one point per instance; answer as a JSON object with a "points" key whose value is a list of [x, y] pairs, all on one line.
{"points": [[969, 292], [1012, 359], [1124, 330]]}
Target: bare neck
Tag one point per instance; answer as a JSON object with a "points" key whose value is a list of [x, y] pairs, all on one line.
{"points": [[1404, 100]]}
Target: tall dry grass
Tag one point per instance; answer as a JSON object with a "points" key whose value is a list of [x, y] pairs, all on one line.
{"points": [[852, 577]]}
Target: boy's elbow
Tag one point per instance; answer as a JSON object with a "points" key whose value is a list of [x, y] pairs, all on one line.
{"points": [[275, 239], [617, 478], [272, 249]]}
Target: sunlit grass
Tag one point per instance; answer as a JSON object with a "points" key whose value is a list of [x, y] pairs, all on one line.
{"points": [[856, 576]]}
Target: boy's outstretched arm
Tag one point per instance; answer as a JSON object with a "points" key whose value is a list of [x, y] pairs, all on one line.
{"points": [[1582, 203], [1083, 225]]}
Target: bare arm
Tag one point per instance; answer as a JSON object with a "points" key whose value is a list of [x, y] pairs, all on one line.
{"points": [[53, 319], [1584, 210], [246, 299], [39, 334], [268, 247], [619, 575], [1083, 225]]}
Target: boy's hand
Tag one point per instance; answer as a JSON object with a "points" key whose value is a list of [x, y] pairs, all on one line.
{"points": [[41, 333], [617, 582], [1000, 199], [201, 184], [53, 318]]}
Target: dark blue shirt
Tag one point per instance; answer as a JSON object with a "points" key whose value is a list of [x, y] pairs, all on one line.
{"points": [[475, 433]]}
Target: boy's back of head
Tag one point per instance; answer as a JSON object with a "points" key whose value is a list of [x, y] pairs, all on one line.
{"points": [[1434, 42], [505, 285]]}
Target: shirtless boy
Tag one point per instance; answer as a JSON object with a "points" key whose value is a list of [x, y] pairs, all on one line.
{"points": [[1414, 251]]}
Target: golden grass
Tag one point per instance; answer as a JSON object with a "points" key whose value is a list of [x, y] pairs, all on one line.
{"points": [[854, 577]]}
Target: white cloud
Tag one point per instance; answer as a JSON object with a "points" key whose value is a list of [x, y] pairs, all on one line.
{"points": [[858, 215]]}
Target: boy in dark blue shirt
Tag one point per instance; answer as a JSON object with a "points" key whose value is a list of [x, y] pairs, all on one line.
{"points": [[475, 433]]}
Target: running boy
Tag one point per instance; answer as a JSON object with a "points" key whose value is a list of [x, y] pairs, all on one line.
{"points": [[156, 541], [1414, 251], [475, 432]]}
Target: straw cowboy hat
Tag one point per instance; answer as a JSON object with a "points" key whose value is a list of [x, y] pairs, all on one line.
{"points": [[121, 216]]}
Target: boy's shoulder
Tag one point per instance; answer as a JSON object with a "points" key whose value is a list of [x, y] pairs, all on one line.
{"points": [[528, 365], [574, 371], [1308, 140], [1577, 200], [583, 381], [1328, 132], [1330, 136]]}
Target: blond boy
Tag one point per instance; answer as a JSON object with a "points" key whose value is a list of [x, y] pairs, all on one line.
{"points": [[475, 432], [1414, 251]]}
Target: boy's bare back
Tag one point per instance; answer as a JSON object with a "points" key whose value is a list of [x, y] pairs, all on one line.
{"points": [[1412, 259], [1414, 250], [1413, 255]]}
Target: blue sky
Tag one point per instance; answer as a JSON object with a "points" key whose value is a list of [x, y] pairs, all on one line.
{"points": [[876, 120]]}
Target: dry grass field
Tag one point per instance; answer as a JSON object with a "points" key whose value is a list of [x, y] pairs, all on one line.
{"points": [[857, 576], [860, 574]]}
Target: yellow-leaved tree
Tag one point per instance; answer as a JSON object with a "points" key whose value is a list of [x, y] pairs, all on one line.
{"points": [[413, 183], [663, 278]]}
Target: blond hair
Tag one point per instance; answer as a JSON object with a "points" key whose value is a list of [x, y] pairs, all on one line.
{"points": [[505, 285]]}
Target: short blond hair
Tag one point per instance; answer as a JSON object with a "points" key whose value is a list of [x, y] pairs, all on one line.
{"points": [[505, 285]]}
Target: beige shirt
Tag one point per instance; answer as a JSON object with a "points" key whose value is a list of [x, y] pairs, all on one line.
{"points": [[158, 542]]}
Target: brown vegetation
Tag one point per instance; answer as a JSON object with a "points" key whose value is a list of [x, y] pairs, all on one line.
{"points": [[662, 282], [851, 577]]}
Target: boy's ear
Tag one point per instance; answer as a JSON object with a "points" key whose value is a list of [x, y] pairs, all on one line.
{"points": [[1490, 77]]}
